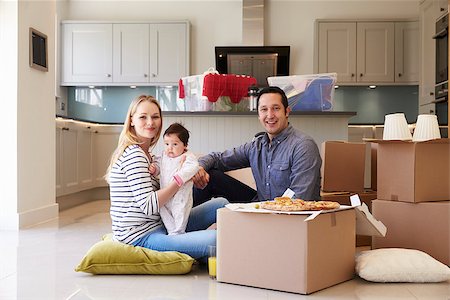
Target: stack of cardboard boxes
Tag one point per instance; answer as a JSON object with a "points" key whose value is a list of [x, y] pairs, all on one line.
{"points": [[343, 170], [413, 181]]}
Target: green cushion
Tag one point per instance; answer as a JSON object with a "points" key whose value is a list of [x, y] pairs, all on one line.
{"points": [[111, 257]]}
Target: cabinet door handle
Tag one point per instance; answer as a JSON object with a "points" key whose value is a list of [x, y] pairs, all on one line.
{"points": [[65, 128], [431, 94], [441, 9]]}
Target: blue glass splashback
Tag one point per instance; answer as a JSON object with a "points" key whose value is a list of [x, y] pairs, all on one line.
{"points": [[371, 105], [110, 104]]}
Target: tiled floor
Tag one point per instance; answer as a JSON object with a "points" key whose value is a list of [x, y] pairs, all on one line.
{"points": [[38, 263]]}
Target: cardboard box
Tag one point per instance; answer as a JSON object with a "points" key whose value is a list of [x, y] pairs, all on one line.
{"points": [[423, 226], [413, 171], [284, 252], [373, 164], [344, 198], [343, 166]]}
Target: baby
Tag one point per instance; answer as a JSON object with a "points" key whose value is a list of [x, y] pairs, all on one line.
{"points": [[179, 164]]}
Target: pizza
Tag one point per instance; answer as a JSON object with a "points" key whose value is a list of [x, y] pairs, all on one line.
{"points": [[288, 204]]}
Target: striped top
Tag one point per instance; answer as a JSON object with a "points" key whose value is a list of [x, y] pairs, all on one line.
{"points": [[134, 202]]}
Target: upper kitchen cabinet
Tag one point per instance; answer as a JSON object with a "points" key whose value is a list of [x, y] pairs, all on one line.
{"points": [[368, 52], [407, 41], [150, 53], [442, 7], [140, 54], [375, 45], [87, 53]]}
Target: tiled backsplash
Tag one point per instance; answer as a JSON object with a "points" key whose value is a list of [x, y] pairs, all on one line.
{"points": [[109, 104]]}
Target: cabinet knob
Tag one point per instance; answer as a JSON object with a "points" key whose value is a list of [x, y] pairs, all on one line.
{"points": [[65, 128], [431, 111], [399, 74], [431, 93], [108, 75], [153, 75], [353, 75], [361, 75], [145, 75], [441, 9]]}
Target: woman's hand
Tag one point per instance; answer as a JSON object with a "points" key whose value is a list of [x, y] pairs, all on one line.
{"points": [[201, 179]]}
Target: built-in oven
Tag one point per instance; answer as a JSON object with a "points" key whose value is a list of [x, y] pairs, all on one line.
{"points": [[441, 88]]}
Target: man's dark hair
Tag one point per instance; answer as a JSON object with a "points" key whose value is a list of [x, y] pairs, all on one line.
{"points": [[273, 90], [179, 130]]}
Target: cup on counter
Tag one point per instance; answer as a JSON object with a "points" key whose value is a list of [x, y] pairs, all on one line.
{"points": [[427, 128], [396, 127], [212, 259]]}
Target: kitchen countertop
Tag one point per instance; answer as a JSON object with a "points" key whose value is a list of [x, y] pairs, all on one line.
{"points": [[226, 113]]}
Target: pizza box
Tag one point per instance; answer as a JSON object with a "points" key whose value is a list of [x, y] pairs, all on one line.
{"points": [[290, 251]]}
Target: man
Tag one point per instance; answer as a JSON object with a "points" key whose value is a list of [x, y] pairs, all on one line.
{"points": [[280, 158]]}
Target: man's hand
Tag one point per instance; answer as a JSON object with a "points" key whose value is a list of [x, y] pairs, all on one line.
{"points": [[201, 179]]}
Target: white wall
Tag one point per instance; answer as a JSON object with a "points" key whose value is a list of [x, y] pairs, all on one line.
{"points": [[219, 23], [8, 114], [29, 151]]}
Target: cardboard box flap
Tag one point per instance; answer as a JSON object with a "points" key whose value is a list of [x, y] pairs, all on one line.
{"points": [[366, 224]]}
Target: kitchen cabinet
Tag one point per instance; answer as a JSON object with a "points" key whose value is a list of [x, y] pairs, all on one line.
{"points": [[407, 41], [428, 13], [442, 7], [374, 52], [83, 151], [152, 53], [87, 53], [104, 144]]}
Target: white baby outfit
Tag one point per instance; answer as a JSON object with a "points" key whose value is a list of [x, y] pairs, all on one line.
{"points": [[175, 213]]}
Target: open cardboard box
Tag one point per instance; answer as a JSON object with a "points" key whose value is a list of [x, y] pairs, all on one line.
{"points": [[343, 166], [413, 171], [299, 252]]}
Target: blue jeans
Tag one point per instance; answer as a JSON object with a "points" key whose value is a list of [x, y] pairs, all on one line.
{"points": [[196, 240]]}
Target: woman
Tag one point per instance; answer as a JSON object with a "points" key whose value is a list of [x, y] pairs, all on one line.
{"points": [[135, 195]]}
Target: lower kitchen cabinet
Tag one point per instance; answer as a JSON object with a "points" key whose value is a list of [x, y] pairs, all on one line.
{"points": [[82, 155]]}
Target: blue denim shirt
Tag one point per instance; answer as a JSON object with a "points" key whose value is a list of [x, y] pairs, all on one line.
{"points": [[292, 160]]}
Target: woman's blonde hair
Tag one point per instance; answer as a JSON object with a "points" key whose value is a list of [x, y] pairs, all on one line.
{"points": [[128, 135]]}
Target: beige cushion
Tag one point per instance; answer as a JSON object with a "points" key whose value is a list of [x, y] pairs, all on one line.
{"points": [[400, 265]]}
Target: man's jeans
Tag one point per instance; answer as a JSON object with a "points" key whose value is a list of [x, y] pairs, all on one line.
{"points": [[222, 185]]}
